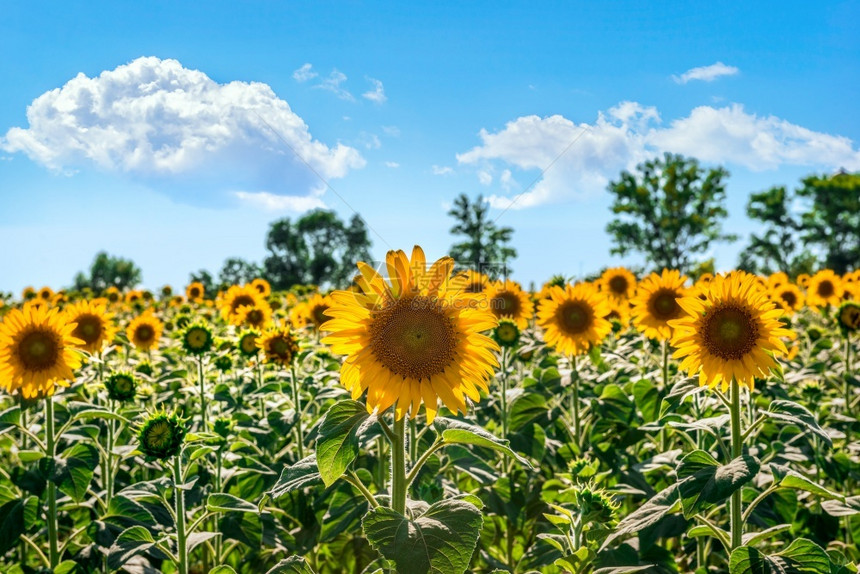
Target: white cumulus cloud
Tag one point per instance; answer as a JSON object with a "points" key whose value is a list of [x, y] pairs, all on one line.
{"points": [[158, 121], [377, 94], [574, 160], [706, 73]]}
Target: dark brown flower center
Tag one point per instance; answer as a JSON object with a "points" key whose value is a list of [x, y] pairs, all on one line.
{"points": [[574, 317], [729, 331], [89, 328], [39, 350], [240, 301], [505, 304], [144, 333], [194, 292], [414, 338], [618, 285], [826, 289], [663, 305], [318, 314], [789, 298]]}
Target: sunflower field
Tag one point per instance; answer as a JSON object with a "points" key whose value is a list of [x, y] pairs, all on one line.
{"points": [[432, 420]]}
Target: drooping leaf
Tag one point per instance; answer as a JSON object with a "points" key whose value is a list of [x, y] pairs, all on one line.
{"points": [[440, 541], [793, 413], [711, 484], [299, 475], [458, 432], [291, 565], [661, 504], [131, 542], [223, 502]]}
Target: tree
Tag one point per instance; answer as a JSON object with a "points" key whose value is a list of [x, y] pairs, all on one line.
{"points": [[318, 249], [109, 271], [486, 245], [778, 248], [237, 271], [831, 220], [670, 210]]}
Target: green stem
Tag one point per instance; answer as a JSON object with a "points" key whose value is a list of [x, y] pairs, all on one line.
{"points": [[260, 386], [380, 465], [219, 465], [205, 426], [664, 442], [398, 467], [179, 496], [847, 375], [737, 450], [504, 374], [50, 452], [300, 437], [574, 379], [109, 457], [413, 440]]}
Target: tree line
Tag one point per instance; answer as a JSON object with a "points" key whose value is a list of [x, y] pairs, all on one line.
{"points": [[670, 210]]}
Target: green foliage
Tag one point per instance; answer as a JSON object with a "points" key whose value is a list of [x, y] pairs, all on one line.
{"points": [[438, 541], [237, 271], [801, 557], [832, 218], [779, 247], [109, 271], [670, 211], [318, 249], [485, 247]]}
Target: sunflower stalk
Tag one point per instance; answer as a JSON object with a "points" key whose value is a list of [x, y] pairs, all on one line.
{"points": [[574, 400], [735, 503], [202, 383], [399, 483], [179, 496], [50, 452], [300, 439]]}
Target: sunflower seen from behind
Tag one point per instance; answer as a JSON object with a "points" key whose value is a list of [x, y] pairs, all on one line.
{"points": [[37, 351], [574, 318], [508, 301], [823, 289], [144, 331], [656, 303], [94, 325], [411, 339], [733, 334]]}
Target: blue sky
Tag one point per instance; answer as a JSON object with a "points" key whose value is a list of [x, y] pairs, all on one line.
{"points": [[157, 130]]}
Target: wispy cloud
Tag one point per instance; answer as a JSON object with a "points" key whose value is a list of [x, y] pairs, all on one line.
{"points": [[158, 122], [377, 94], [442, 170], [304, 73], [629, 133], [333, 84], [706, 73], [271, 202], [392, 164]]}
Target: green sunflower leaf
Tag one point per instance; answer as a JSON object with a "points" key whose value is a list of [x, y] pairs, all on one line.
{"points": [[338, 443], [801, 557]]}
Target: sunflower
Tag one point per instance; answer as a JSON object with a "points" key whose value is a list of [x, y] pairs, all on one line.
{"points": [[656, 303], [848, 317], [161, 436], [803, 279], [279, 346], [507, 334], [197, 339], [121, 386], [618, 283], [195, 291], [508, 301], [619, 312], [777, 279], [315, 310], [733, 334], [258, 317], [824, 288], [28, 293], [235, 297], [45, 294], [94, 324], [37, 351], [247, 343], [145, 331], [134, 296], [574, 318], [469, 281], [112, 294], [788, 297], [262, 286], [412, 339]]}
